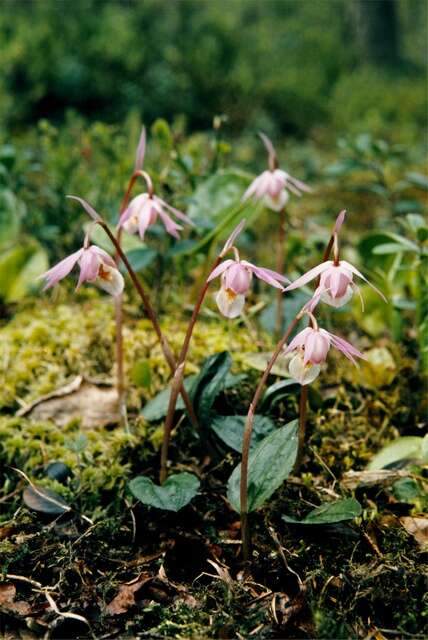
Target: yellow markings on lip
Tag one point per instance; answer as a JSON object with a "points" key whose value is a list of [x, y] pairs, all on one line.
{"points": [[230, 294], [105, 274]]}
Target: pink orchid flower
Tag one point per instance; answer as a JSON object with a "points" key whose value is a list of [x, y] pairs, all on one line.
{"points": [[236, 276], [143, 211], [336, 285], [95, 266], [310, 348], [272, 187]]}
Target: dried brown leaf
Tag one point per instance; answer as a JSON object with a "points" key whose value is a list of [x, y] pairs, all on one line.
{"points": [[7, 600], [125, 597], [383, 477], [418, 528], [95, 406]]}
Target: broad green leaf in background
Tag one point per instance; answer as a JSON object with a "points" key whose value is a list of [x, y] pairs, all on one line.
{"points": [[220, 191], [177, 491], [20, 268], [417, 180], [259, 362], [269, 465], [141, 257], [275, 392], [330, 513], [230, 429], [291, 306], [408, 206], [156, 408], [400, 452], [11, 210], [100, 238], [44, 500]]}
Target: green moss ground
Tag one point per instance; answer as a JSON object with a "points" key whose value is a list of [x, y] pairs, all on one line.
{"points": [[352, 580]]}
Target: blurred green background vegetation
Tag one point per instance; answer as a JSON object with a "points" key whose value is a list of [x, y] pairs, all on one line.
{"points": [[339, 85], [286, 66]]}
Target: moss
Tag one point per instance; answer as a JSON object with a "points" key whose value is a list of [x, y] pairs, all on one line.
{"points": [[46, 345]]}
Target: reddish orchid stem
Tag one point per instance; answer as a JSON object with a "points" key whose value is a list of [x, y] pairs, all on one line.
{"points": [[178, 377], [303, 401], [245, 531], [166, 349], [280, 261], [118, 303]]}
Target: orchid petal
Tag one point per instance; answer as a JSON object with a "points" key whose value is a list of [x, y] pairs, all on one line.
{"points": [[89, 210], [111, 281], [230, 305], [179, 214], [348, 350], [265, 275], [360, 275], [231, 239], [60, 270], [339, 221], [310, 275], [89, 265], [219, 270], [298, 340], [106, 258], [302, 186], [141, 150], [171, 227]]}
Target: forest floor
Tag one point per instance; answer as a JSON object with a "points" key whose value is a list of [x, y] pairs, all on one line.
{"points": [[112, 567]]}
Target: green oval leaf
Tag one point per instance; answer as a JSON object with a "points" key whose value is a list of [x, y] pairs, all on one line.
{"points": [[330, 513], [230, 429], [177, 491], [270, 464], [209, 382], [407, 448]]}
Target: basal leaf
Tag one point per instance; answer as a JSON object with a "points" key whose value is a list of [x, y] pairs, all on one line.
{"points": [[269, 465], [330, 513], [209, 382], [230, 429], [398, 453], [156, 408], [177, 491]]}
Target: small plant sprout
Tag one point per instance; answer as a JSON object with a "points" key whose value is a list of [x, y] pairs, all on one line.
{"points": [[272, 187], [96, 266]]}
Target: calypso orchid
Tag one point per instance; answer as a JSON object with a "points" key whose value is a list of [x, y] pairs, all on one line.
{"points": [[336, 284], [236, 276], [272, 185], [309, 349], [143, 211], [96, 266]]}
